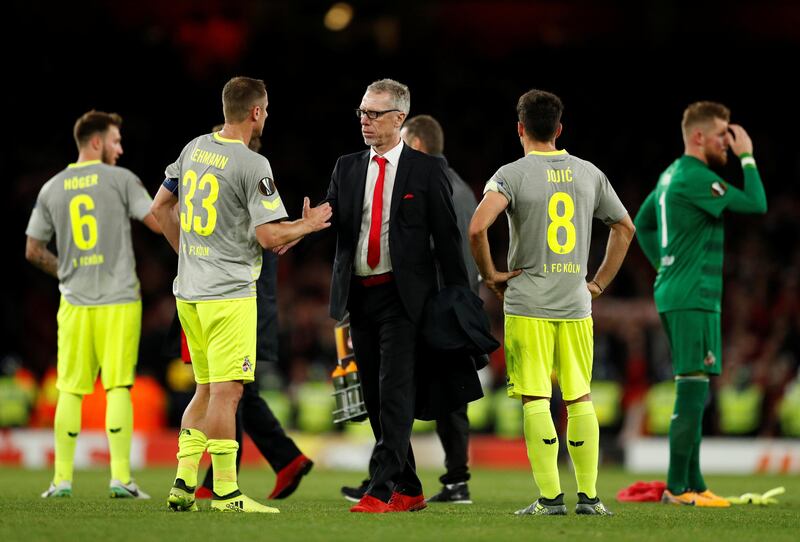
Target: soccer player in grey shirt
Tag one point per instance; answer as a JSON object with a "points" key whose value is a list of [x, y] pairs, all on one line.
{"points": [[229, 208], [550, 198], [87, 207]]}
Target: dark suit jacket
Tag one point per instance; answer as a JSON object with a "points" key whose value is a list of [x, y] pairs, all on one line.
{"points": [[457, 338], [421, 209], [464, 203]]}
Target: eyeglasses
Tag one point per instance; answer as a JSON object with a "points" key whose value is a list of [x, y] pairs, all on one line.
{"points": [[372, 115]]}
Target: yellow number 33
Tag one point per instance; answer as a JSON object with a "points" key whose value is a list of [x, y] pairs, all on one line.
{"points": [[188, 219]]}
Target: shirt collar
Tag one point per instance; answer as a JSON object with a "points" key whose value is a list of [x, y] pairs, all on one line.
{"points": [[392, 156], [84, 163], [548, 153]]}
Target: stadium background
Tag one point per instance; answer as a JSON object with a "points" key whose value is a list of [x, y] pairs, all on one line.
{"points": [[625, 74]]}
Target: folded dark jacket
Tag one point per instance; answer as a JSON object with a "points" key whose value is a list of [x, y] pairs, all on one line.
{"points": [[454, 321], [456, 341]]}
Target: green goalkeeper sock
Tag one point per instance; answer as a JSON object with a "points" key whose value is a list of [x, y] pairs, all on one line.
{"points": [[696, 481], [583, 436], [542, 443], [66, 426], [686, 422], [191, 445], [223, 459], [119, 430]]}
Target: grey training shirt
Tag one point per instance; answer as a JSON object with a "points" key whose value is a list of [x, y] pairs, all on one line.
{"points": [[552, 198]]}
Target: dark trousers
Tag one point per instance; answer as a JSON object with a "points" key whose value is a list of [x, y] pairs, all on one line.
{"points": [[384, 343], [257, 420], [453, 431]]}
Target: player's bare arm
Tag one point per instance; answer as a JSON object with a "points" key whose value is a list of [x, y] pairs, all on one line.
{"points": [[280, 250], [276, 234], [151, 222], [487, 212], [165, 213], [619, 239], [37, 253]]}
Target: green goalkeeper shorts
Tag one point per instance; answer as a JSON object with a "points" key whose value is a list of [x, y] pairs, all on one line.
{"points": [[694, 336]]}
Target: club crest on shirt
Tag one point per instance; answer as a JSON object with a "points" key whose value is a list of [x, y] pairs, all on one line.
{"points": [[246, 366], [718, 189], [266, 186]]}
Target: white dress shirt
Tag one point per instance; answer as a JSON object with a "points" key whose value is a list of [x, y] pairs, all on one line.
{"points": [[362, 269]]}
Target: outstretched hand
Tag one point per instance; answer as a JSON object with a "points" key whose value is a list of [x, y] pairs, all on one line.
{"points": [[499, 282], [317, 217]]}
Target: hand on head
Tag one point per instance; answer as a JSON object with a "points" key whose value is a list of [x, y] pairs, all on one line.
{"points": [[740, 141]]}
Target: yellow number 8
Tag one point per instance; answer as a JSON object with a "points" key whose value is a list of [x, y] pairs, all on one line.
{"points": [[78, 220], [561, 221]]}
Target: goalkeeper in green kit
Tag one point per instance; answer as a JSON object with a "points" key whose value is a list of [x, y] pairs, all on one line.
{"points": [[680, 229]]}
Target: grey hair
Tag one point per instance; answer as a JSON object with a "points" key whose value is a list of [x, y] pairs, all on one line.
{"points": [[400, 94]]}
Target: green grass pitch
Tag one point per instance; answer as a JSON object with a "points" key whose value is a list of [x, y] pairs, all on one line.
{"points": [[317, 512]]}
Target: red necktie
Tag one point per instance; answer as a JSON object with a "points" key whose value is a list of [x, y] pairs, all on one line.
{"points": [[374, 244]]}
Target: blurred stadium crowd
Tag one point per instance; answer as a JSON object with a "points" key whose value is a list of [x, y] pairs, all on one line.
{"points": [[758, 393], [629, 128]]}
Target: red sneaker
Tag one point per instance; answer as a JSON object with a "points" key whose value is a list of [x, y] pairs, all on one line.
{"points": [[202, 492], [406, 503], [370, 505], [289, 477]]}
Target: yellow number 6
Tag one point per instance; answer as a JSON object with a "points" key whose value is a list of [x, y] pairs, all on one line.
{"points": [[79, 221]]}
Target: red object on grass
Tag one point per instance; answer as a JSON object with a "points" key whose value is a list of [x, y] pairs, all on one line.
{"points": [[203, 493], [642, 492]]}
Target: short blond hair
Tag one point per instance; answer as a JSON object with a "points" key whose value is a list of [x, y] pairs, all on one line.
{"points": [[239, 96], [703, 113]]}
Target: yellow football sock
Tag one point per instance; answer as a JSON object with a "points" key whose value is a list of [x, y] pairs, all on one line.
{"points": [[191, 445], [583, 436], [542, 443], [223, 459], [119, 430], [67, 425]]}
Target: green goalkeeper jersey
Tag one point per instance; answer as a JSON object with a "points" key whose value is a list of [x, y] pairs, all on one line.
{"points": [[680, 230]]}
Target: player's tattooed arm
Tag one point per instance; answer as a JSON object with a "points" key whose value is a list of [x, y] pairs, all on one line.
{"points": [[37, 253]]}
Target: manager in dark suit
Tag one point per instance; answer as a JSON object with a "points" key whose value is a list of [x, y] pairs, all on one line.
{"points": [[388, 203], [424, 133]]}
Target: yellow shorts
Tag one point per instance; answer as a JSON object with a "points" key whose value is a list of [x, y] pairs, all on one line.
{"points": [[536, 347], [94, 338], [222, 338]]}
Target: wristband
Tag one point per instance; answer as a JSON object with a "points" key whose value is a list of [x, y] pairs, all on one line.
{"points": [[596, 284], [747, 160]]}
